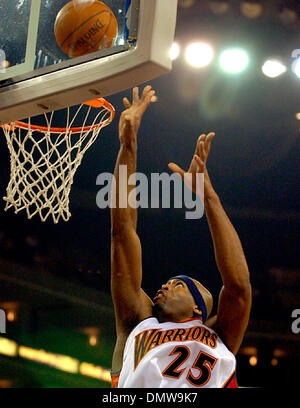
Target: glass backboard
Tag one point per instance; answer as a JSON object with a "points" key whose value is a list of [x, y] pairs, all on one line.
{"points": [[36, 76]]}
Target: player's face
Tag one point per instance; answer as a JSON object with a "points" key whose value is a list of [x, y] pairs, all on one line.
{"points": [[173, 301]]}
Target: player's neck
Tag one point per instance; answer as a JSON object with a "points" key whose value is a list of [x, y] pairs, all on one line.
{"points": [[164, 318]]}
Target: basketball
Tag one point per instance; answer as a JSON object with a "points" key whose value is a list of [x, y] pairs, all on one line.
{"points": [[85, 26]]}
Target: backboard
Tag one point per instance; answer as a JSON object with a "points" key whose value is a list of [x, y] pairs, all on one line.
{"points": [[37, 77]]}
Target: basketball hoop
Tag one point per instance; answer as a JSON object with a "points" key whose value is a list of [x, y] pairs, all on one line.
{"points": [[44, 159]]}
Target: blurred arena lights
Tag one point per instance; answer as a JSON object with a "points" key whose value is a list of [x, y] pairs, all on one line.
{"points": [[234, 60], [296, 67], [11, 316], [199, 54], [219, 7], [93, 340], [273, 68], [253, 361], [186, 3], [57, 361], [251, 10], [174, 51], [288, 16], [274, 362]]}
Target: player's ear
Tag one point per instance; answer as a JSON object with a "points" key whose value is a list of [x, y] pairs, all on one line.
{"points": [[197, 311]]}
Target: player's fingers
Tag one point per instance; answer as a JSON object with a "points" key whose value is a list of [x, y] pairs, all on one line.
{"points": [[201, 151], [146, 90], [135, 94], [176, 169], [208, 141], [146, 100], [197, 165], [149, 95], [126, 103], [200, 163], [201, 139]]}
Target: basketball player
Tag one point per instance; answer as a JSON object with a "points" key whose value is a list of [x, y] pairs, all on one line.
{"points": [[170, 341]]}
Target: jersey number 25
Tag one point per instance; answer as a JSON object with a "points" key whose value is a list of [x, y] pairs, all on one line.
{"points": [[204, 363]]}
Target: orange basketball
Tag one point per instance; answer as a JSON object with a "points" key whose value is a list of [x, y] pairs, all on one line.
{"points": [[85, 26]]}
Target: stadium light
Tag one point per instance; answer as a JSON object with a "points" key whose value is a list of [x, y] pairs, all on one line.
{"points": [[274, 362], [234, 60], [252, 10], [273, 68], [253, 361], [199, 54], [11, 316], [174, 51], [93, 340], [296, 67]]}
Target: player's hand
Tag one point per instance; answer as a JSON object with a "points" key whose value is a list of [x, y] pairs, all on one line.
{"points": [[198, 163], [131, 117]]}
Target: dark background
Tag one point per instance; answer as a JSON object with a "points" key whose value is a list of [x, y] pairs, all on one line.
{"points": [[254, 167]]}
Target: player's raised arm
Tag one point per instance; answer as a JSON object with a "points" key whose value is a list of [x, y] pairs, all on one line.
{"points": [[130, 302], [235, 297]]}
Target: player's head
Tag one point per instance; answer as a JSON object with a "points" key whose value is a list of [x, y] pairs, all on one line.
{"points": [[182, 298]]}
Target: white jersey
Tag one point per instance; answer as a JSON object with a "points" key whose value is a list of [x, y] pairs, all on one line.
{"points": [[176, 355]]}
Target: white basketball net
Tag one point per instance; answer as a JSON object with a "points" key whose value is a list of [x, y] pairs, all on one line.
{"points": [[43, 162]]}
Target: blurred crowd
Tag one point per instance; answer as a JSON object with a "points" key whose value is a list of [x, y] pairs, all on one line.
{"points": [[33, 251]]}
